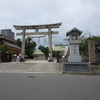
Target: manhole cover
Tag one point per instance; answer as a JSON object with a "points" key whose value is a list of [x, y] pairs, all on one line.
{"points": [[31, 76]]}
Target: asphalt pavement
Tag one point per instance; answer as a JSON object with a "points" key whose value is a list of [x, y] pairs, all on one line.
{"points": [[32, 80], [36, 86]]}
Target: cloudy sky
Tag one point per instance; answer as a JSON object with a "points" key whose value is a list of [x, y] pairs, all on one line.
{"points": [[83, 14]]}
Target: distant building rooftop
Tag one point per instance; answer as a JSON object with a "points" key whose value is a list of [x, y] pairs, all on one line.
{"points": [[11, 45], [7, 38], [59, 47], [38, 53]]}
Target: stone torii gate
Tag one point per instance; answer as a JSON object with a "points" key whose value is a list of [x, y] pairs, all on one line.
{"points": [[36, 28]]}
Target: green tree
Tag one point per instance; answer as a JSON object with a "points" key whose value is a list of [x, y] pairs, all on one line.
{"points": [[84, 45], [19, 42], [4, 48], [54, 53], [45, 50], [29, 46]]}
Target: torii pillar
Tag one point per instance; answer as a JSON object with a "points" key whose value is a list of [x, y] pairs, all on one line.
{"points": [[37, 27], [23, 42], [50, 59]]}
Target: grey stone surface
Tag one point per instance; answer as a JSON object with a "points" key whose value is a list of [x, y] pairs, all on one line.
{"points": [[30, 67], [47, 67], [73, 66], [14, 67]]}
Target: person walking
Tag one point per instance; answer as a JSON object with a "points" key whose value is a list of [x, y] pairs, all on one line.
{"points": [[15, 57], [18, 58], [22, 58]]}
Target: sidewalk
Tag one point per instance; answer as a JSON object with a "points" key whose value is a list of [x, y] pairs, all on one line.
{"points": [[30, 66], [37, 66], [38, 61]]}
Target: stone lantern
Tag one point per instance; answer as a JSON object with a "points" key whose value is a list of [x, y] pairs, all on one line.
{"points": [[74, 45], [75, 60]]}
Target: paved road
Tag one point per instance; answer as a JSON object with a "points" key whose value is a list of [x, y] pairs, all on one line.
{"points": [[35, 86], [30, 67]]}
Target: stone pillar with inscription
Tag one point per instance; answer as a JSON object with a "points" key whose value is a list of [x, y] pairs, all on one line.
{"points": [[91, 47]]}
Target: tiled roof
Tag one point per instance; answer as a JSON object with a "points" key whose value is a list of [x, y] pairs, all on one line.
{"points": [[11, 45], [74, 29]]}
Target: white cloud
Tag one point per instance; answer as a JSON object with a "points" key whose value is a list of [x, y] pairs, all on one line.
{"points": [[83, 14]]}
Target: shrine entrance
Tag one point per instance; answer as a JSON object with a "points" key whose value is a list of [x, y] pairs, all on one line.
{"points": [[36, 28]]}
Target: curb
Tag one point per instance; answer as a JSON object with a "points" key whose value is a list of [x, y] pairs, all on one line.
{"points": [[82, 73]]}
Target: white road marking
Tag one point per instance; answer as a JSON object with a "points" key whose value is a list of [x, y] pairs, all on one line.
{"points": [[32, 67]]}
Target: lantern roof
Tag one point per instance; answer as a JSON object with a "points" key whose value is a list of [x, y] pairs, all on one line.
{"points": [[74, 30]]}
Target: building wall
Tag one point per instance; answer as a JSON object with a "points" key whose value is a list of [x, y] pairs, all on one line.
{"points": [[39, 57], [10, 43], [8, 33]]}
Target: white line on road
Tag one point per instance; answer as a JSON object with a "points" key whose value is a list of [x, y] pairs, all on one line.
{"points": [[32, 67]]}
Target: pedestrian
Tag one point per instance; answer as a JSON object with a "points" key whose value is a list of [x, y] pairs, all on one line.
{"points": [[18, 58], [15, 57], [22, 58]]}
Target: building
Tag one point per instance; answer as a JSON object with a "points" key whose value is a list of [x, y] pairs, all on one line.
{"points": [[38, 55], [62, 52], [61, 48], [8, 33], [10, 43]]}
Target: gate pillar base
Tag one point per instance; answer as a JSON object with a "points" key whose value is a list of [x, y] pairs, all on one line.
{"points": [[50, 60]]}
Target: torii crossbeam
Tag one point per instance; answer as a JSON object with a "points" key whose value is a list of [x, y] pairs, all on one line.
{"points": [[36, 28]]}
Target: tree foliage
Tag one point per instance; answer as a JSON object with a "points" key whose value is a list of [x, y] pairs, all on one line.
{"points": [[29, 46], [45, 50], [19, 42], [54, 53], [4, 48], [84, 44]]}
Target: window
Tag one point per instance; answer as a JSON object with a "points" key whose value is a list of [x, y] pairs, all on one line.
{"points": [[74, 37]]}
